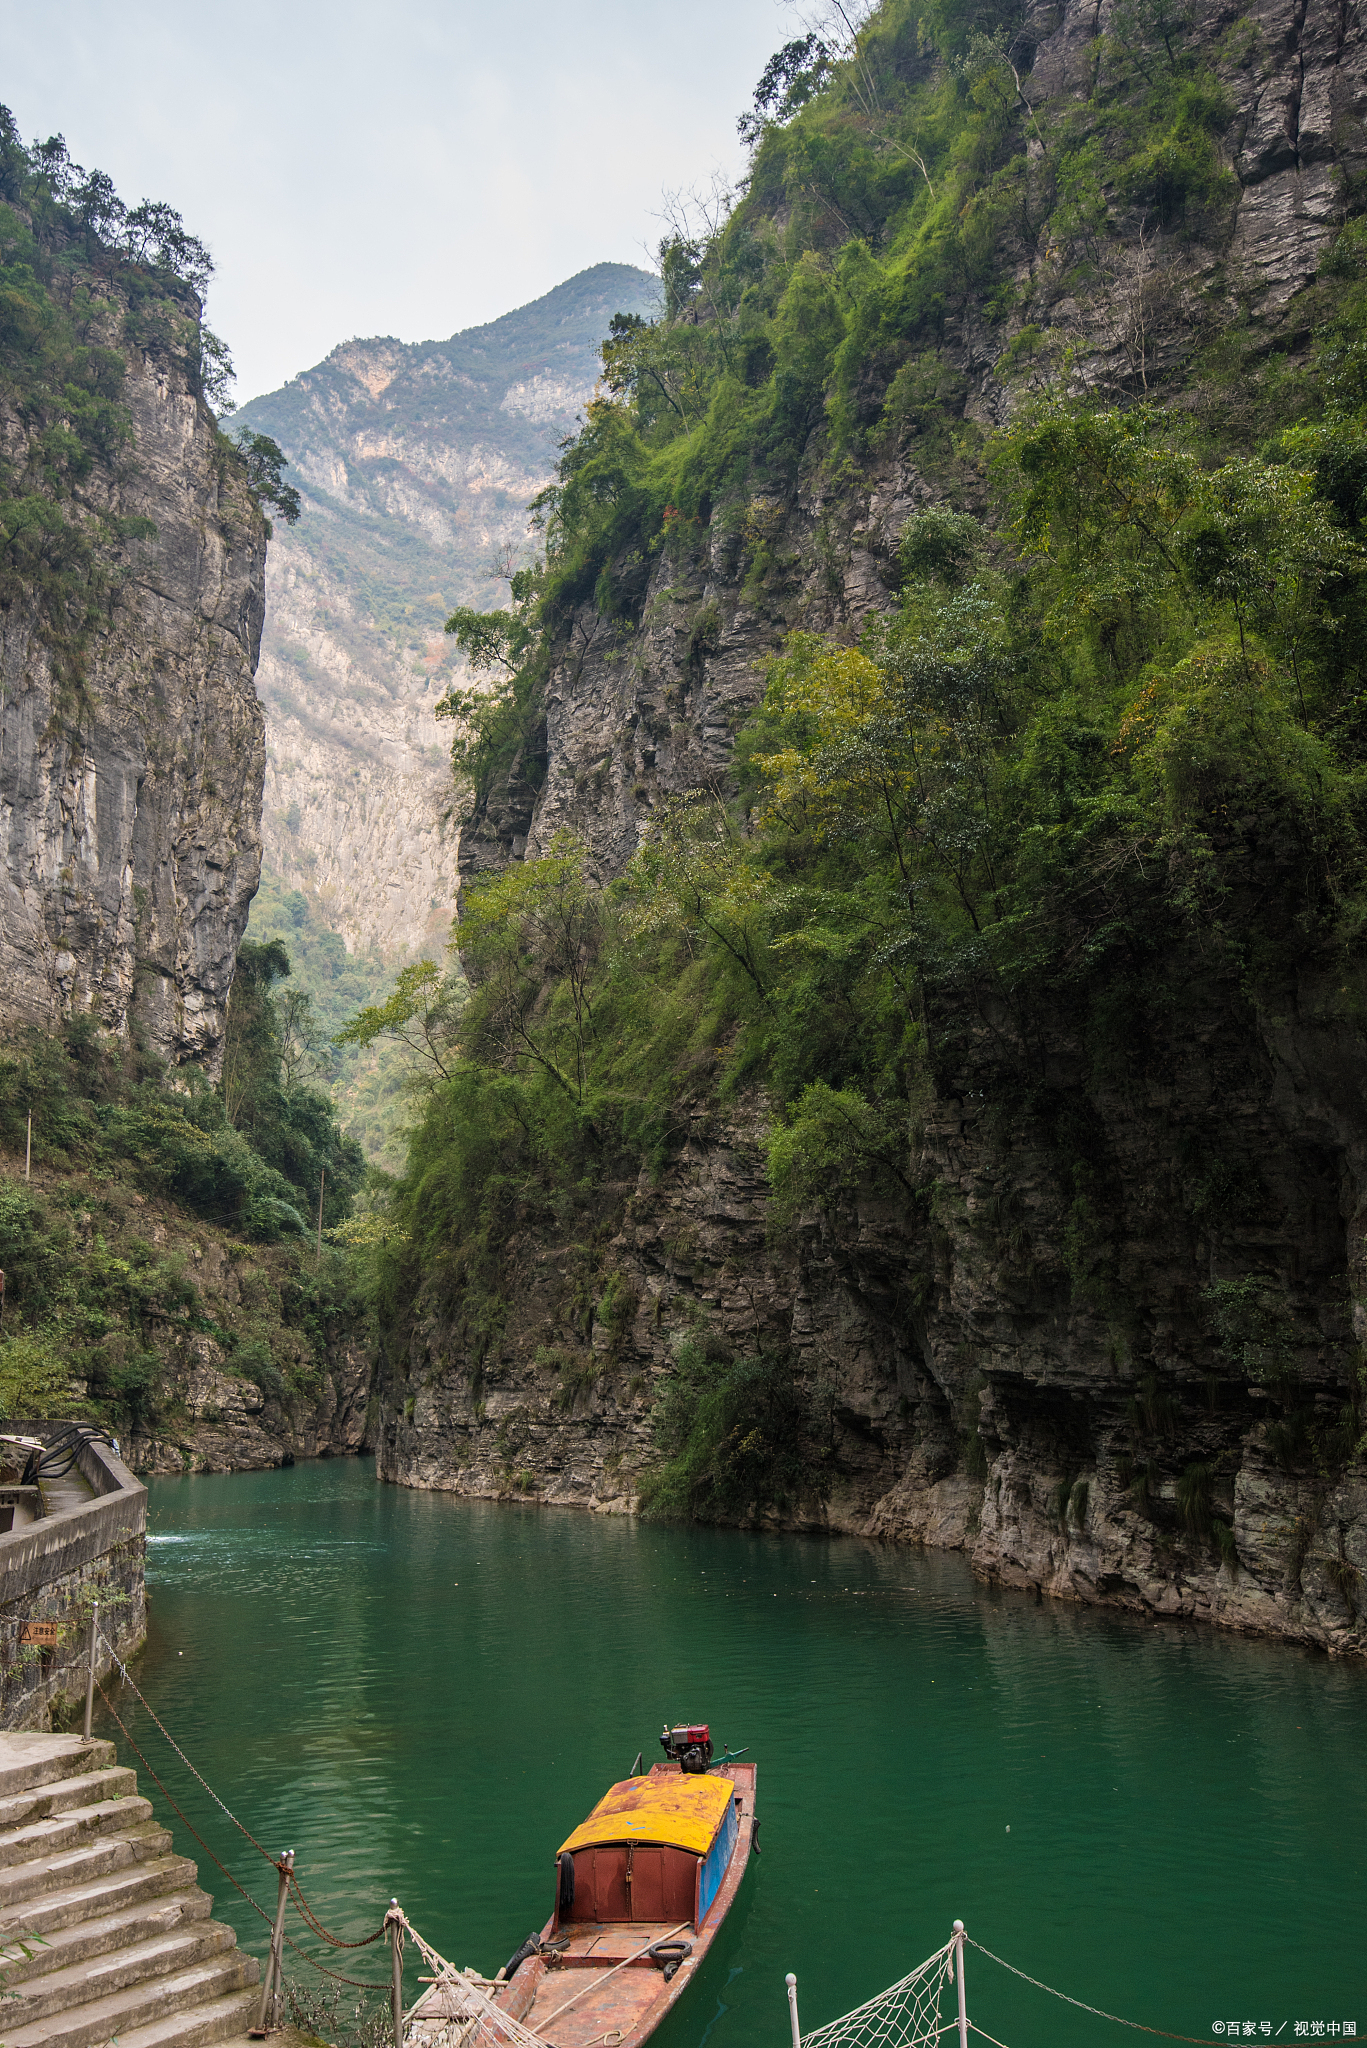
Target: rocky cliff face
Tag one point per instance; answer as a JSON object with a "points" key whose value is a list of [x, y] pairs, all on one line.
{"points": [[225, 1423], [130, 791], [646, 705], [1009, 1368], [416, 464], [996, 1382]]}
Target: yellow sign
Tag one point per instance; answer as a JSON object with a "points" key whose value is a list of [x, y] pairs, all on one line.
{"points": [[40, 1632]]}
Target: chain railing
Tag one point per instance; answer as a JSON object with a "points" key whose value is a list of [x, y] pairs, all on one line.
{"points": [[269, 2017]]}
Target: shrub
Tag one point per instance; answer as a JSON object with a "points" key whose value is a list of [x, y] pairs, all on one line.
{"points": [[35, 1374], [1193, 1499], [740, 1436]]}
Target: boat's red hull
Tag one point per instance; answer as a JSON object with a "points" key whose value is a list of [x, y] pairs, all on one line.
{"points": [[623, 2006]]}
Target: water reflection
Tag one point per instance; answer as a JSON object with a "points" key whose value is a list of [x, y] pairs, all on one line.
{"points": [[422, 1695]]}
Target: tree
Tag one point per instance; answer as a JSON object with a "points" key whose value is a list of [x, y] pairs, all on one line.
{"points": [[496, 644], [217, 375], [270, 1044], [421, 1013], [249, 1039], [499, 640], [541, 920], [263, 460], [300, 1039], [790, 78]]}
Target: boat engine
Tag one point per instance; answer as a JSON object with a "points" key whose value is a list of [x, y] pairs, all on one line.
{"points": [[689, 1745]]}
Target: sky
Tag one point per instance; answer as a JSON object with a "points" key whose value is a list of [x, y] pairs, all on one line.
{"points": [[407, 169]]}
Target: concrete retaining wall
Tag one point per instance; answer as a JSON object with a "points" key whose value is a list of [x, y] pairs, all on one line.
{"points": [[53, 1570]]}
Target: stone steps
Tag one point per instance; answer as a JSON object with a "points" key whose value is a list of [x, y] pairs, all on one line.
{"points": [[47, 1760], [129, 1951], [223, 2019], [41, 1801], [117, 1970], [71, 1866], [128, 1884], [95, 1936], [99, 2020], [111, 1818]]}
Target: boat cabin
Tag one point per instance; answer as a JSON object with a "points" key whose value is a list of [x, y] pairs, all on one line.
{"points": [[654, 1849]]}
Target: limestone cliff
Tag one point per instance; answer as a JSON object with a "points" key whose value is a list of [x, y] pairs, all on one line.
{"points": [[636, 713], [131, 743], [1016, 1358], [416, 463]]}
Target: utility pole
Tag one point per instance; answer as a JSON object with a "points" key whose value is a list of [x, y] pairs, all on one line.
{"points": [[322, 1176], [28, 1149]]}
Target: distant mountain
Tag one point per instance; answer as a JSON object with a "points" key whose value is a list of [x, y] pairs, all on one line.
{"points": [[416, 463]]}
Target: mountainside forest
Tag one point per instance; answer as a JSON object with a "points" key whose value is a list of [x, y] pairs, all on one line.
{"points": [[164, 1151], [914, 1077]]}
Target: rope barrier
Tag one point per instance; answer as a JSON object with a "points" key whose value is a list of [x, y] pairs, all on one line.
{"points": [[307, 1914], [357, 1983], [123, 1673], [175, 1808], [306, 1911], [1081, 2005], [493, 2027]]}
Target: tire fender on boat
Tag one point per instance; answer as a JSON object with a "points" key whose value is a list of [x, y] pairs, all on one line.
{"points": [[530, 1947], [566, 1883], [754, 1833]]}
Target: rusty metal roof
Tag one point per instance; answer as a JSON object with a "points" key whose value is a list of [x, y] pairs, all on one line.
{"points": [[681, 1812]]}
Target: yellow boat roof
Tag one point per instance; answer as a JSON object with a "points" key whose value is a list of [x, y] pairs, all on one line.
{"points": [[681, 1812]]}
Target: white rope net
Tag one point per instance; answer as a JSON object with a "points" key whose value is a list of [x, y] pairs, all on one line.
{"points": [[906, 2015], [457, 2010]]}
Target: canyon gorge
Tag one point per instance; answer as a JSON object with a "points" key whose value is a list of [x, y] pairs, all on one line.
{"points": [[1025, 1210], [416, 464]]}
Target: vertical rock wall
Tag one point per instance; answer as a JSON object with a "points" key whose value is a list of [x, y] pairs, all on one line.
{"points": [[130, 799], [1009, 1369], [416, 462]]}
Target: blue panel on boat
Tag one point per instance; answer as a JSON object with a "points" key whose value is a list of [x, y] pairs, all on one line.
{"points": [[716, 1860]]}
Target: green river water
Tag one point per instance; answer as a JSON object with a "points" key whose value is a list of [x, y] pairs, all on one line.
{"points": [[422, 1696]]}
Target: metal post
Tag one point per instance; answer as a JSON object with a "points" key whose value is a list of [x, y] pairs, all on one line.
{"points": [[791, 1981], [959, 1974], [394, 1919], [90, 1675], [28, 1149], [268, 2019], [322, 1176]]}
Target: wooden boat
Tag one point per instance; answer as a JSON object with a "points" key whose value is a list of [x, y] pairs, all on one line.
{"points": [[642, 1886]]}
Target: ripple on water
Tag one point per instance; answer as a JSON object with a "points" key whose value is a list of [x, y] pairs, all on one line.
{"points": [[422, 1695]]}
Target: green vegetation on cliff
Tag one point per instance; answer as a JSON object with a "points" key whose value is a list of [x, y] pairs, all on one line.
{"points": [[84, 278], [88, 285], [366, 1074], [1100, 763], [132, 1177]]}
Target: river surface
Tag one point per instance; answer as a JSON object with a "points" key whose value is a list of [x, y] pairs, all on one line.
{"points": [[422, 1696]]}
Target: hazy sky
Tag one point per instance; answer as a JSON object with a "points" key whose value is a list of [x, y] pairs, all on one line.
{"points": [[408, 169]]}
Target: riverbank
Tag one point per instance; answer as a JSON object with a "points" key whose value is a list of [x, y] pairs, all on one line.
{"points": [[200, 1351], [453, 1683], [1289, 1562]]}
